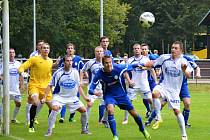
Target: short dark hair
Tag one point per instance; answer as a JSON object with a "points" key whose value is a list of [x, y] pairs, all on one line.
{"points": [[103, 37], [105, 57]]}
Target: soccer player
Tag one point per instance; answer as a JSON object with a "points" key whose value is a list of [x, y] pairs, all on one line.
{"points": [[152, 77], [140, 78], [104, 43], [29, 104], [67, 84], [174, 67], [16, 83], [114, 93], [77, 64], [185, 94], [40, 75], [91, 67]]}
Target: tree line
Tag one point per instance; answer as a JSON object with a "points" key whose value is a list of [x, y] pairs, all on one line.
{"points": [[77, 21]]}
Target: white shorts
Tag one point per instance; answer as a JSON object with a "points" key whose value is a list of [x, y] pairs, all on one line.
{"points": [[72, 103], [168, 95], [94, 97], [132, 93], [16, 98]]}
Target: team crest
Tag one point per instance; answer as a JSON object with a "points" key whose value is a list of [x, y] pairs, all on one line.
{"points": [[116, 77], [75, 63]]}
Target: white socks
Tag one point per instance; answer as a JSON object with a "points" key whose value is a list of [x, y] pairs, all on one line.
{"points": [[181, 123], [15, 112]]}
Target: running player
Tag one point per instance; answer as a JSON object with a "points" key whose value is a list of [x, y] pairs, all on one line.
{"points": [[67, 84], [114, 93], [174, 67]]}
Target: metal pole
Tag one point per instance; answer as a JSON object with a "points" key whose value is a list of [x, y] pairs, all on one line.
{"points": [[6, 104], [101, 19], [34, 14]]}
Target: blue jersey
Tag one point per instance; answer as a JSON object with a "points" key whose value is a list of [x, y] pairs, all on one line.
{"points": [[114, 88], [107, 53], [77, 62], [113, 82], [184, 93], [151, 80]]}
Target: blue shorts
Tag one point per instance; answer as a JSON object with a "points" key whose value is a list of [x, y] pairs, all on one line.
{"points": [[122, 102], [184, 93]]}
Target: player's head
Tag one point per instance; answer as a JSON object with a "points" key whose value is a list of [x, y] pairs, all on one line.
{"points": [[104, 42], [107, 63], [176, 48], [137, 49], [11, 54], [145, 49], [70, 49], [125, 57], [99, 52], [155, 51], [45, 50], [39, 45], [67, 62]]}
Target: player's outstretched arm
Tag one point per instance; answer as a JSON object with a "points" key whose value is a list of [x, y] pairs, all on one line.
{"points": [[81, 92]]}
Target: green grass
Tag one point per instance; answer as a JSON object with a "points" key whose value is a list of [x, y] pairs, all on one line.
{"points": [[169, 130]]}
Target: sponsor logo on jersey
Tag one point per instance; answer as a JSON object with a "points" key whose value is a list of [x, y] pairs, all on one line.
{"points": [[173, 71], [68, 84], [13, 71]]}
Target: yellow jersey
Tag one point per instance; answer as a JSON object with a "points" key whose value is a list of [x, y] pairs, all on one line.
{"points": [[40, 71]]}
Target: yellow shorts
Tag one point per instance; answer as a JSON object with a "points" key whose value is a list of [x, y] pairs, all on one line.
{"points": [[40, 92]]}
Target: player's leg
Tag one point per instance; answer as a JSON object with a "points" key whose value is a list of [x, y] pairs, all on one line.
{"points": [[157, 107], [132, 96], [111, 120], [180, 120], [38, 109], [147, 105], [17, 100], [28, 107], [72, 114], [56, 108], [138, 121], [63, 112], [35, 101], [186, 111], [84, 120]]}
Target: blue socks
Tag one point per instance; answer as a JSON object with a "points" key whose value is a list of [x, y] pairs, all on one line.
{"points": [[101, 109], [146, 104], [186, 114], [63, 111], [112, 124], [139, 122]]}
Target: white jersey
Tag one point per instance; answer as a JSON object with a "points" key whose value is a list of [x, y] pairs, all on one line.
{"points": [[35, 53], [92, 67], [68, 82], [139, 76], [172, 71], [13, 77]]}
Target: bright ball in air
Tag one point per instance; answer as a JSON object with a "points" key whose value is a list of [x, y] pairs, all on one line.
{"points": [[147, 19]]}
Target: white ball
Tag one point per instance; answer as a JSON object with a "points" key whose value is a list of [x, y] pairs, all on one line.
{"points": [[147, 19]]}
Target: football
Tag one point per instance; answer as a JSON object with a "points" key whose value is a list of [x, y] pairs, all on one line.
{"points": [[147, 19]]}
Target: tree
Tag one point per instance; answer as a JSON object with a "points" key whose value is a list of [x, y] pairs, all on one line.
{"points": [[59, 22]]}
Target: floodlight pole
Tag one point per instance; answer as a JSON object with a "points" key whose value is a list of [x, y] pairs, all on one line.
{"points": [[101, 19], [34, 24], [6, 104]]}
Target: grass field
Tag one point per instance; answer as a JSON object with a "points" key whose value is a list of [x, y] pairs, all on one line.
{"points": [[169, 130]]}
